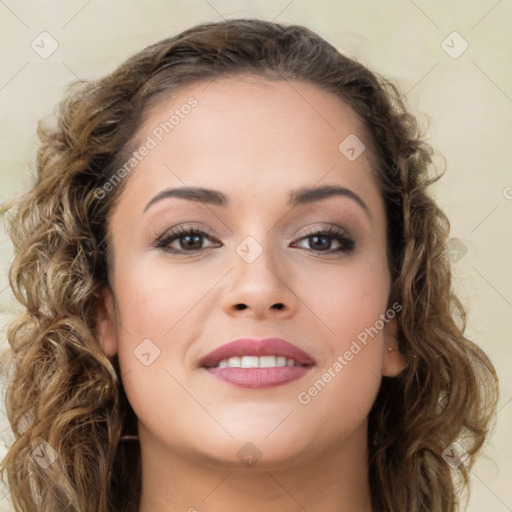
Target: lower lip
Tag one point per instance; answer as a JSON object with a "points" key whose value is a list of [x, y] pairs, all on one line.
{"points": [[259, 377]]}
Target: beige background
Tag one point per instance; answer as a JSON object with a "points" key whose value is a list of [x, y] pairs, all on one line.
{"points": [[466, 100]]}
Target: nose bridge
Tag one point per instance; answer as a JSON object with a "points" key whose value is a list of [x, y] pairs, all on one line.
{"points": [[258, 280], [256, 260]]}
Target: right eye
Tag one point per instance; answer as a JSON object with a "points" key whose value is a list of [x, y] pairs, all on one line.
{"points": [[188, 240]]}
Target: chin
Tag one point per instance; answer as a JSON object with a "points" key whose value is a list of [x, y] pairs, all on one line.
{"points": [[255, 453]]}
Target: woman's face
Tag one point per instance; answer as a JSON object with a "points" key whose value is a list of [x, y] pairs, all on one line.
{"points": [[251, 268]]}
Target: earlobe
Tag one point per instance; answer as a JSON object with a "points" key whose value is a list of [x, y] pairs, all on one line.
{"points": [[393, 361], [106, 332]]}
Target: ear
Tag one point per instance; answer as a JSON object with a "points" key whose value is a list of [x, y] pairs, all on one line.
{"points": [[393, 362], [106, 331]]}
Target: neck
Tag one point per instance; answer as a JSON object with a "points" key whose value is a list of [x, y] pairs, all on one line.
{"points": [[335, 479]]}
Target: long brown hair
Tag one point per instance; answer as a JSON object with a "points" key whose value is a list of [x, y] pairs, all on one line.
{"points": [[65, 392]]}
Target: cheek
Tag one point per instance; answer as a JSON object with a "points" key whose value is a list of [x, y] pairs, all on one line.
{"points": [[159, 314], [159, 301], [161, 309], [347, 299], [338, 401], [348, 306]]}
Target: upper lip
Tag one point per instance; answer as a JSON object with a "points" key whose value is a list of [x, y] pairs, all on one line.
{"points": [[252, 347]]}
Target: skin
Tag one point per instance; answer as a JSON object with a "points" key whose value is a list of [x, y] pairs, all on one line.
{"points": [[255, 141]]}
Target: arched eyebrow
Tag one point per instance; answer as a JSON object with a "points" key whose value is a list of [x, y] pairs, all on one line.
{"points": [[298, 197], [307, 195]]}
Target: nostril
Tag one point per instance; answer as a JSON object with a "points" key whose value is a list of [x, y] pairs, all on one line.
{"points": [[279, 305]]}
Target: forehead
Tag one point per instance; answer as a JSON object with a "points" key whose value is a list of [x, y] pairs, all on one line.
{"points": [[253, 105], [248, 130]]}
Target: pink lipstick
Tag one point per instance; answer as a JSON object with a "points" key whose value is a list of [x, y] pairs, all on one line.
{"points": [[251, 363]]}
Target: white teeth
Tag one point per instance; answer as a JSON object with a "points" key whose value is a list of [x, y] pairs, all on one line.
{"points": [[268, 361], [257, 362], [233, 361], [281, 361], [249, 362]]}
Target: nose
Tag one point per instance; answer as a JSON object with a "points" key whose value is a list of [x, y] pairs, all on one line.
{"points": [[262, 288]]}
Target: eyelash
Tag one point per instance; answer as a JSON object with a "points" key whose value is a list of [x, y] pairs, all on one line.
{"points": [[347, 244]]}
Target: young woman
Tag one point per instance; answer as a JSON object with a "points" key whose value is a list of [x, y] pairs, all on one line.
{"points": [[237, 292]]}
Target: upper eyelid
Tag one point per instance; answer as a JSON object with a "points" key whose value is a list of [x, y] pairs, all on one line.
{"points": [[179, 231], [194, 229]]}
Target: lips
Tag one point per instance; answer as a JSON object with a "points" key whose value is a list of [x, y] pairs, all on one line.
{"points": [[251, 363], [251, 347]]}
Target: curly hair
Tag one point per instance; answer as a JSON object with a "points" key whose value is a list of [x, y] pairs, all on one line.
{"points": [[64, 391]]}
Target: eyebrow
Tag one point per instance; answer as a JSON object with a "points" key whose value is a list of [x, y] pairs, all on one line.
{"points": [[302, 196]]}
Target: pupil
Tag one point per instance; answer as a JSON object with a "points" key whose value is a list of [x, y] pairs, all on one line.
{"points": [[325, 239], [190, 239]]}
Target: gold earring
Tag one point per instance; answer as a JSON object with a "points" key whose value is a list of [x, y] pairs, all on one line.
{"points": [[391, 349]]}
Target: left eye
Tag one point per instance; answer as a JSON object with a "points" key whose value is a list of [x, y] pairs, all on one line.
{"points": [[321, 241]]}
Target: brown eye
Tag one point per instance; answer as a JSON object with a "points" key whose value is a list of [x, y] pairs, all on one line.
{"points": [[322, 241], [188, 240]]}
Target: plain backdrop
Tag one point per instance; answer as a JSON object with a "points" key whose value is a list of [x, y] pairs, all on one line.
{"points": [[451, 60]]}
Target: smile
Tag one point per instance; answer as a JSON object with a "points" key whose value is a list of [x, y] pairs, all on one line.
{"points": [[250, 363], [257, 362]]}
